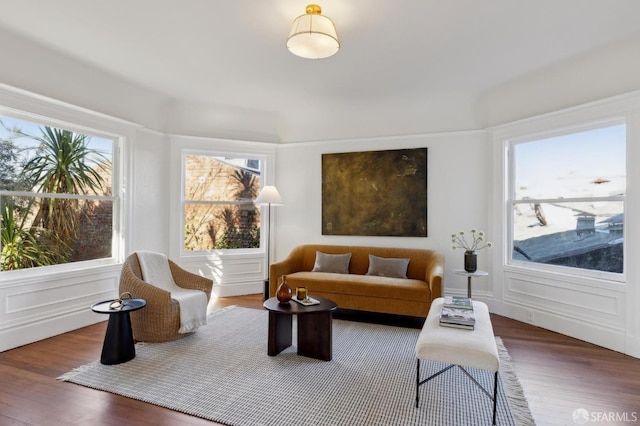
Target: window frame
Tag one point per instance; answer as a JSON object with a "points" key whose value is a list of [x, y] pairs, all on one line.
{"points": [[117, 160], [183, 201], [511, 201]]}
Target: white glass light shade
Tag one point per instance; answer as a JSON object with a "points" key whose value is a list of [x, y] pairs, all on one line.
{"points": [[269, 195], [313, 35]]}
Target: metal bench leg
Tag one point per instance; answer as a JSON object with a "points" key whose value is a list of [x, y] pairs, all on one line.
{"points": [[433, 376], [495, 385], [495, 396], [418, 382]]}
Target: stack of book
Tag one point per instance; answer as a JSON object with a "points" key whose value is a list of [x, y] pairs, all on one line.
{"points": [[457, 312]]}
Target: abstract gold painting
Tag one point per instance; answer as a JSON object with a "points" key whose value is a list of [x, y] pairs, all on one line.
{"points": [[375, 193]]}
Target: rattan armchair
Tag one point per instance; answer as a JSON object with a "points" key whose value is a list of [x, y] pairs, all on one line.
{"points": [[159, 321]]}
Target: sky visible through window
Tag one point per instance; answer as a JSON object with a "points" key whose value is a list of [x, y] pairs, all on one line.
{"points": [[25, 145], [567, 166]]}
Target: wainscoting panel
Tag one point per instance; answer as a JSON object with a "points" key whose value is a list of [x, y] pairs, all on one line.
{"points": [[66, 292], [35, 308], [232, 274], [593, 311], [581, 301]]}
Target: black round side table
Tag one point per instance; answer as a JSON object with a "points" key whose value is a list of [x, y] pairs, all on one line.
{"points": [[118, 344]]}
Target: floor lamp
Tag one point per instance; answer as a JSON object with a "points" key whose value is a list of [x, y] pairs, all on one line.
{"points": [[269, 196]]}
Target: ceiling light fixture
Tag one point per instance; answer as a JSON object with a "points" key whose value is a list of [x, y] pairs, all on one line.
{"points": [[313, 35]]}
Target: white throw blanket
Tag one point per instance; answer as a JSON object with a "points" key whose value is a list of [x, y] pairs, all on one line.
{"points": [[193, 303]]}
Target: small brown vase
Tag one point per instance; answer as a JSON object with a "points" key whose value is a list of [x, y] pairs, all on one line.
{"points": [[284, 291]]}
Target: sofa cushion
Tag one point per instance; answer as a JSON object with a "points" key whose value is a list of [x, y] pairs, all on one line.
{"points": [[333, 263], [388, 267], [353, 284]]}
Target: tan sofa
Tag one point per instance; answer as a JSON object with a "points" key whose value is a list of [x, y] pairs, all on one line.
{"points": [[410, 296]]}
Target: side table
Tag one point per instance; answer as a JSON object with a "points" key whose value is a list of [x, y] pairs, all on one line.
{"points": [[477, 273], [118, 344]]}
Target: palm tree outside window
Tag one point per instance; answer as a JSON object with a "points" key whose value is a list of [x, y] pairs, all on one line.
{"points": [[218, 208], [55, 195]]}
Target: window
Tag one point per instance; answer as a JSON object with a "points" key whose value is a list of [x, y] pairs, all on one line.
{"points": [[218, 207], [55, 195], [566, 197]]}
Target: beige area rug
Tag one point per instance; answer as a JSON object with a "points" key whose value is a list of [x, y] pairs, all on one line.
{"points": [[223, 373]]}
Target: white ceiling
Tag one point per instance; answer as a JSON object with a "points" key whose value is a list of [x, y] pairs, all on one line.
{"points": [[395, 54]]}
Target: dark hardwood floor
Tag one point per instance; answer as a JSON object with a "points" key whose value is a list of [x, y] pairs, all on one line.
{"points": [[559, 375]]}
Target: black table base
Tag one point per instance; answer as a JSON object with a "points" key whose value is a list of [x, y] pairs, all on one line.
{"points": [[265, 294], [118, 344]]}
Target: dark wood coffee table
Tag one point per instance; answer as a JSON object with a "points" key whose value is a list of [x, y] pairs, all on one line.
{"points": [[315, 327]]}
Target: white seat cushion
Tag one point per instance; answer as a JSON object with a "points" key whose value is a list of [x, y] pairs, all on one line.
{"points": [[470, 348]]}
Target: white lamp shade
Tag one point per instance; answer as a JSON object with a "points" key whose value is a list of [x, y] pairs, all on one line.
{"points": [[269, 195], [313, 36]]}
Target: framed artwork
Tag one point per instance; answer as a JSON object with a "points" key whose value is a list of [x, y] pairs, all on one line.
{"points": [[375, 193]]}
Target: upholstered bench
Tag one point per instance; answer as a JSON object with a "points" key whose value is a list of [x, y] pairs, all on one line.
{"points": [[458, 347]]}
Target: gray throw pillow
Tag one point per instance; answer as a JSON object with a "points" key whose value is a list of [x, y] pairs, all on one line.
{"points": [[388, 267], [336, 263]]}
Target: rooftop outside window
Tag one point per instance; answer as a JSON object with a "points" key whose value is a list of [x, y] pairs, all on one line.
{"points": [[567, 199]]}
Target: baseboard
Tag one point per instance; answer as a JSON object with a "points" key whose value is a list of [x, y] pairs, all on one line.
{"points": [[591, 332], [237, 289], [13, 337], [632, 346]]}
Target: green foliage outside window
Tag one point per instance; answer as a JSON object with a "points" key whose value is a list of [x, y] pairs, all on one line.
{"points": [[44, 229]]}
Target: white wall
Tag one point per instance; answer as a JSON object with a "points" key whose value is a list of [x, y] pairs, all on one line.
{"points": [[221, 122], [598, 74], [233, 272], [402, 115], [600, 309], [150, 184], [29, 66], [457, 196]]}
